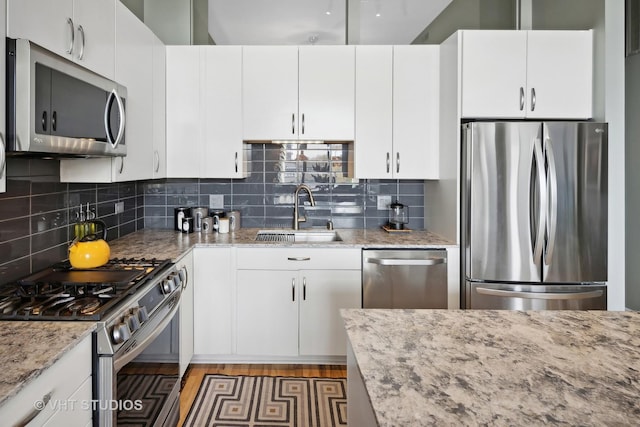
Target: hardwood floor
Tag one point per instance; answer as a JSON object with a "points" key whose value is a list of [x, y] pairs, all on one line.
{"points": [[196, 373]]}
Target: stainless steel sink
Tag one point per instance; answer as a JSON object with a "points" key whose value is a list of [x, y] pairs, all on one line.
{"points": [[298, 236]]}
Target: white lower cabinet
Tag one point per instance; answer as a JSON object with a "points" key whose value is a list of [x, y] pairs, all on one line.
{"points": [[66, 389], [185, 266], [213, 310], [289, 300]]}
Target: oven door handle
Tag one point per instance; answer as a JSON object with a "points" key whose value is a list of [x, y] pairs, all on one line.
{"points": [[122, 360], [541, 295]]}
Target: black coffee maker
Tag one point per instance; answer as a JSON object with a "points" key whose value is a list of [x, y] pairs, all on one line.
{"points": [[398, 216]]}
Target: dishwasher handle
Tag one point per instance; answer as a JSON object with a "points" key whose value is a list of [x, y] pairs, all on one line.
{"points": [[405, 261]]}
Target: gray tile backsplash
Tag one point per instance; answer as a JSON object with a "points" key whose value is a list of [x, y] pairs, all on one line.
{"points": [[265, 199], [37, 213]]}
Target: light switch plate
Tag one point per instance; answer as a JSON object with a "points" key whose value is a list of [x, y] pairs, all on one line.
{"points": [[383, 202], [119, 207], [216, 201]]}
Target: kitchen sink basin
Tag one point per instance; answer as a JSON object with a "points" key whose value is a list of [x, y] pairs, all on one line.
{"points": [[298, 236]]}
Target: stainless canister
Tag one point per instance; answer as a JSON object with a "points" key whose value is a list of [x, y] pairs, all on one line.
{"points": [[198, 215], [207, 225], [178, 215], [234, 220]]}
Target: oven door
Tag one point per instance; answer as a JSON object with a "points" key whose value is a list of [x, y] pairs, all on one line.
{"points": [[141, 382]]}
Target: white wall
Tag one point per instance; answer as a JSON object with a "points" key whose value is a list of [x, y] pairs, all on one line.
{"points": [[170, 20]]}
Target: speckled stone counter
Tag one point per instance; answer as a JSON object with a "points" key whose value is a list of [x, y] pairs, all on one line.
{"points": [[28, 348], [173, 244], [498, 368]]}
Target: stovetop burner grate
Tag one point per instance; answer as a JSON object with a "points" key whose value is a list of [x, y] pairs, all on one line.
{"points": [[61, 292]]}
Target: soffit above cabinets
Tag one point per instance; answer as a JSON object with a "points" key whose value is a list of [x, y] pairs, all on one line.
{"points": [[300, 22]]}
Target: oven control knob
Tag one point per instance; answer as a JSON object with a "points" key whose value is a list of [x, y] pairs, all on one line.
{"points": [[141, 313], [132, 321], [120, 333], [182, 274], [168, 285]]}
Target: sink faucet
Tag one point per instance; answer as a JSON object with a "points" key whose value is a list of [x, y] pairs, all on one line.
{"points": [[296, 209]]}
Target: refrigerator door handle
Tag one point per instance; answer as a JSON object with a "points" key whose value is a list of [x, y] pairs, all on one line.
{"points": [[552, 221], [538, 243], [541, 295]]}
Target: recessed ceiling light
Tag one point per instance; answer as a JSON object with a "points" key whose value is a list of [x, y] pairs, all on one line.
{"points": [[328, 12]]}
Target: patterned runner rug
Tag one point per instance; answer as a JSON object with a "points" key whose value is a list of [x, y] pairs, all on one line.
{"points": [[227, 401]]}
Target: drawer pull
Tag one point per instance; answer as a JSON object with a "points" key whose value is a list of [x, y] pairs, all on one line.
{"points": [[38, 406], [293, 290], [299, 258]]}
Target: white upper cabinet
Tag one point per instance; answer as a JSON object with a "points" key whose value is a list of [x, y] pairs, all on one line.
{"points": [[204, 113], [223, 153], [326, 96], [397, 119], [183, 111], [80, 30], [526, 74], [159, 109], [298, 93], [3, 94], [374, 112], [416, 79]]}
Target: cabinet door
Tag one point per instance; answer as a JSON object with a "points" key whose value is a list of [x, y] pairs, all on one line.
{"points": [[323, 294], [47, 23], [270, 92], [185, 266], [183, 112], [267, 313], [159, 110], [213, 301], [95, 35], [494, 70], [222, 148], [134, 68], [416, 79], [560, 74], [327, 93], [374, 112]]}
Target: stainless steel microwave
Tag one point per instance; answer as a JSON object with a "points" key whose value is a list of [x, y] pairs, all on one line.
{"points": [[56, 108]]}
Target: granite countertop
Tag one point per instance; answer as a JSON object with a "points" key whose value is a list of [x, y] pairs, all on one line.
{"points": [[28, 348], [173, 244], [476, 367]]}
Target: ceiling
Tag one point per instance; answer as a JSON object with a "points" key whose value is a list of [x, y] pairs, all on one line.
{"points": [[299, 22]]}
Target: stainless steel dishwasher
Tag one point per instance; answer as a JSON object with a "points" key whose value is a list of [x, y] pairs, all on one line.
{"points": [[404, 278]]}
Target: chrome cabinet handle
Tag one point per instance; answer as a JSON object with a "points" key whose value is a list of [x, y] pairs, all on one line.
{"points": [[81, 31], [401, 261], [73, 35], [533, 98], [541, 295], [299, 258], [521, 98], [121, 165], [41, 404], [3, 156], [185, 282], [397, 162], [236, 162], [304, 289], [293, 289], [157, 159], [293, 123], [54, 121], [388, 162], [303, 123]]}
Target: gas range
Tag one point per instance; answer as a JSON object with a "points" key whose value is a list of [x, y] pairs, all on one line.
{"points": [[61, 292]]}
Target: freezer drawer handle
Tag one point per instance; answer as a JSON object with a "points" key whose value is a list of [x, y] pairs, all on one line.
{"points": [[299, 258], [541, 295], [401, 261]]}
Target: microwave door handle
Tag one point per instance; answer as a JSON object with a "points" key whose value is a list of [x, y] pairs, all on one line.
{"points": [[114, 96]]}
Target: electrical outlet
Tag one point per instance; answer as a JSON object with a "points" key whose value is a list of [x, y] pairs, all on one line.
{"points": [[119, 207], [384, 202], [216, 201]]}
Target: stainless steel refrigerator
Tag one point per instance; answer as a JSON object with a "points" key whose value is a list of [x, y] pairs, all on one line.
{"points": [[534, 215]]}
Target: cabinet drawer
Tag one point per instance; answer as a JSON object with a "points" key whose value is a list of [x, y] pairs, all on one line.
{"points": [[292, 258], [60, 380]]}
